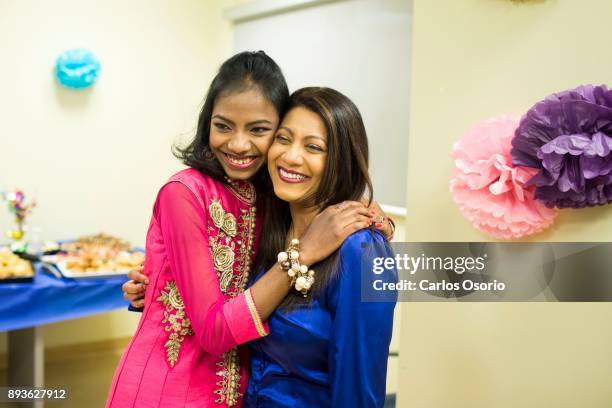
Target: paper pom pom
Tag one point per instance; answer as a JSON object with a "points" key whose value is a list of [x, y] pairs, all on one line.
{"points": [[491, 193], [77, 68], [567, 138]]}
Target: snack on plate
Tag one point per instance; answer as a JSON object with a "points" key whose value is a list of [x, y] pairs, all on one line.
{"points": [[99, 242], [100, 253], [12, 266], [87, 262]]}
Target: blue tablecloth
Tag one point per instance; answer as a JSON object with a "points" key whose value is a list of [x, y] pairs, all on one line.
{"points": [[49, 299]]}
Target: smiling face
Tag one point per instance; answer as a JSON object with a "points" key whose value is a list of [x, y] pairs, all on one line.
{"points": [[296, 159], [241, 130]]}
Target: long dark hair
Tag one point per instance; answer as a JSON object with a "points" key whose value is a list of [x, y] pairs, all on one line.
{"points": [[242, 71], [346, 177]]}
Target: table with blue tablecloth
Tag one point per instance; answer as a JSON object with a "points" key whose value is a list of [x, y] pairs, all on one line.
{"points": [[48, 299]]}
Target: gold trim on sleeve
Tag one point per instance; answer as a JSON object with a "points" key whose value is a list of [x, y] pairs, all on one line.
{"points": [[254, 313]]}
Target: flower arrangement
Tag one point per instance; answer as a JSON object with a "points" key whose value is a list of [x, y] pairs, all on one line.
{"points": [[510, 176], [567, 138], [18, 206], [490, 191]]}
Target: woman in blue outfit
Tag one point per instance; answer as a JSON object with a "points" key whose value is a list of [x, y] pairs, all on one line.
{"points": [[326, 348]]}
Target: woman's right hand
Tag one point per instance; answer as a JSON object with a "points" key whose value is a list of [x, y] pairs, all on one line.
{"points": [[134, 289], [330, 228]]}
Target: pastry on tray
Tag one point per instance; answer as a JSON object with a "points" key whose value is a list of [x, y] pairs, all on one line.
{"points": [[12, 266], [98, 242], [98, 254], [95, 262]]}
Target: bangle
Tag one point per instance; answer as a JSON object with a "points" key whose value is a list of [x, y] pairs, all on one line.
{"points": [[300, 277]]}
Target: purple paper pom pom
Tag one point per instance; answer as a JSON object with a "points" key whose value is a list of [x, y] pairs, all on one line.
{"points": [[568, 138]]}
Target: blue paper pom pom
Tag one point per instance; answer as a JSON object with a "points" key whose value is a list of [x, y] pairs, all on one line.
{"points": [[77, 68]]}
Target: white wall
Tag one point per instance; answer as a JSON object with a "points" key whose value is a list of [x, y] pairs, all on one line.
{"points": [[359, 47], [94, 159]]}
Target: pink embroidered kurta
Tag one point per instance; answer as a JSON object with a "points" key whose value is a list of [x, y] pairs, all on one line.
{"points": [[199, 251]]}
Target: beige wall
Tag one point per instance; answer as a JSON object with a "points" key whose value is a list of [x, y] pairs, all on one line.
{"points": [[473, 59], [94, 159]]}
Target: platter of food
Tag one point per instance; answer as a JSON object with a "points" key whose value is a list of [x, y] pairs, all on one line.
{"points": [[14, 269], [95, 256]]}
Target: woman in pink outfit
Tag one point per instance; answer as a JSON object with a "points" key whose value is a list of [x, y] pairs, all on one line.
{"points": [[200, 246], [175, 360]]}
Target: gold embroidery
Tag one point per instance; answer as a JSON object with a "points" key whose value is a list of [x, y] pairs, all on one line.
{"points": [[230, 379], [243, 190], [245, 250], [216, 212], [175, 320], [229, 224], [223, 257], [254, 313], [223, 220], [231, 244]]}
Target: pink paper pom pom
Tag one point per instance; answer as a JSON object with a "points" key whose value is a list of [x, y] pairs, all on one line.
{"points": [[489, 190]]}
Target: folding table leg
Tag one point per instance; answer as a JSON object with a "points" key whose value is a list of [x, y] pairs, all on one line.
{"points": [[26, 360]]}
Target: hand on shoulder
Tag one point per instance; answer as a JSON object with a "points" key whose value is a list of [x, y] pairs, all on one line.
{"points": [[330, 228]]}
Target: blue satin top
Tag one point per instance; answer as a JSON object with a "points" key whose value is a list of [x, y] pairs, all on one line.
{"points": [[333, 352]]}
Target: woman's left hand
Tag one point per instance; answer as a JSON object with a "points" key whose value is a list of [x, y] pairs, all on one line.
{"points": [[381, 220]]}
